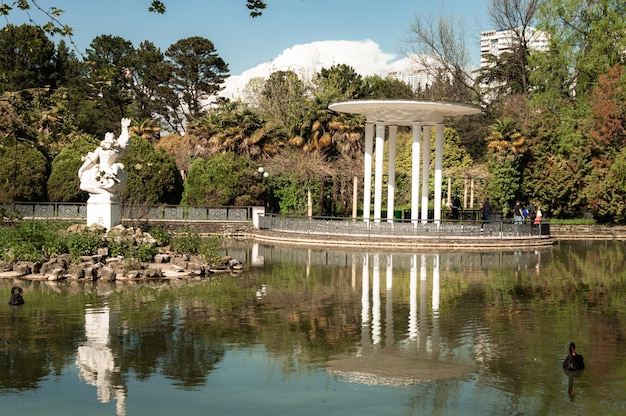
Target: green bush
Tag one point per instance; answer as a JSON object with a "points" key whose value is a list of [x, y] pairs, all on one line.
{"points": [[146, 252], [32, 240], [186, 242], [85, 243], [161, 235]]}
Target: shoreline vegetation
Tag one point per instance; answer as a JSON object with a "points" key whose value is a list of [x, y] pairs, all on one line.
{"points": [[45, 250]]}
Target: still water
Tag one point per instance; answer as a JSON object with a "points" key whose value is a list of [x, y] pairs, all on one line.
{"points": [[310, 332]]}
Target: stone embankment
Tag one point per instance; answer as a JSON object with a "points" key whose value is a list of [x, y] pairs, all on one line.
{"points": [[587, 232], [103, 267]]}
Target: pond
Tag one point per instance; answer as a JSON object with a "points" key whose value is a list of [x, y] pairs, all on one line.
{"points": [[307, 331]]}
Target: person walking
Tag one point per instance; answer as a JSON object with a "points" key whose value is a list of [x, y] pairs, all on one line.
{"points": [[532, 211], [486, 210], [456, 206], [518, 216]]}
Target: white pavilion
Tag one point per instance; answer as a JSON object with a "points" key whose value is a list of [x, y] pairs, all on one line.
{"points": [[421, 116]]}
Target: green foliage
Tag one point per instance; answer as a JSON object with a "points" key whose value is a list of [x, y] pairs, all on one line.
{"points": [[376, 87], [23, 172], [27, 59], [161, 235], [146, 252], [186, 242], [189, 242], [505, 183], [198, 72], [153, 177], [291, 193], [63, 182], [31, 240], [225, 179], [85, 243], [606, 190]]}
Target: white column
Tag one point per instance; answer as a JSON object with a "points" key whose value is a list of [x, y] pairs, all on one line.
{"points": [[415, 172], [367, 174], [438, 170], [391, 182], [425, 172], [378, 170]]}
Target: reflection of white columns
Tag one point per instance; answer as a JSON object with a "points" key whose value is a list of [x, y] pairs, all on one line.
{"points": [[376, 301], [96, 362], [423, 302], [365, 292], [365, 306], [435, 317], [438, 170], [413, 299], [367, 175], [378, 170], [391, 181], [389, 339], [436, 285], [425, 172], [415, 172], [255, 258]]}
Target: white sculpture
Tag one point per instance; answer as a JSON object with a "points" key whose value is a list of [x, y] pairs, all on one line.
{"points": [[101, 174], [104, 177]]}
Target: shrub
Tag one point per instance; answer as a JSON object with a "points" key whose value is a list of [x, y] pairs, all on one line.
{"points": [[146, 252], [85, 243], [186, 242], [32, 240], [161, 235]]}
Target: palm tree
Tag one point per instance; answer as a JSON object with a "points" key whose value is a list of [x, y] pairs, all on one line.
{"points": [[505, 137], [145, 128]]}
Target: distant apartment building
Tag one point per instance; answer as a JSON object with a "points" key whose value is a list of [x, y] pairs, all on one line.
{"points": [[421, 74], [496, 42]]}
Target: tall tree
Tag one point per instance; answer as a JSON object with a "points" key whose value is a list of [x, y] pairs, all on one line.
{"points": [[27, 59], [586, 39], [438, 44], [150, 75], [109, 62], [516, 17], [198, 73]]}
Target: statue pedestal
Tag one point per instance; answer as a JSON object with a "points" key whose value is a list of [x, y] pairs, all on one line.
{"points": [[103, 211]]}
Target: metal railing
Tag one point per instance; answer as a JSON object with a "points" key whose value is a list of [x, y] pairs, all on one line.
{"points": [[78, 211], [381, 228], [402, 228]]}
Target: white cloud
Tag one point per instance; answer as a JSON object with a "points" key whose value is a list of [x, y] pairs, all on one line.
{"points": [[365, 57]]}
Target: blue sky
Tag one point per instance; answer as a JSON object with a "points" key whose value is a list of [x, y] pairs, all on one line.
{"points": [[244, 42]]}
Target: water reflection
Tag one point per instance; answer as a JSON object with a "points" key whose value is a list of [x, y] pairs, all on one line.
{"points": [[429, 332], [383, 359], [96, 361]]}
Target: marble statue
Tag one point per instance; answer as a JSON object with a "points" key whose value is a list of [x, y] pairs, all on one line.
{"points": [[102, 175]]}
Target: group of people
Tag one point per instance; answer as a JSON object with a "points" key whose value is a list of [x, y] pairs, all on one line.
{"points": [[532, 212]]}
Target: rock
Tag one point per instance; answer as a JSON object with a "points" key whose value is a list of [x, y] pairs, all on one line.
{"points": [[162, 258], [56, 274], [77, 271], [107, 274]]}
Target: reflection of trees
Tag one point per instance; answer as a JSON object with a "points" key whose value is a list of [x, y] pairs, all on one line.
{"points": [[39, 338]]}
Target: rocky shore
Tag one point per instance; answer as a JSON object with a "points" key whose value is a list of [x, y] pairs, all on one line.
{"points": [[103, 267]]}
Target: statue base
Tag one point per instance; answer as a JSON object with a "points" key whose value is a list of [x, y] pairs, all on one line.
{"points": [[103, 210]]}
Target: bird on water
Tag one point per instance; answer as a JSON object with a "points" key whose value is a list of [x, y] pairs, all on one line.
{"points": [[16, 296], [573, 361]]}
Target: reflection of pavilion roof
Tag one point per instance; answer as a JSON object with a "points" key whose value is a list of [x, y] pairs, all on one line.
{"points": [[392, 367], [405, 112]]}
